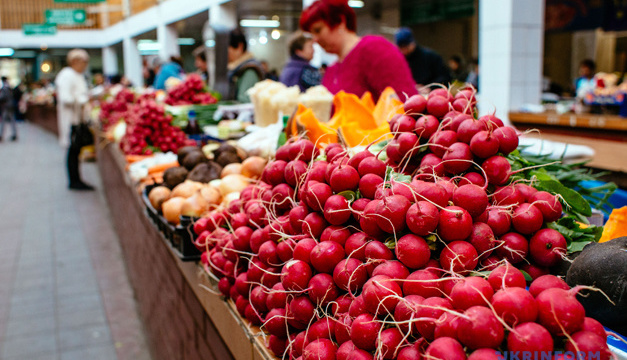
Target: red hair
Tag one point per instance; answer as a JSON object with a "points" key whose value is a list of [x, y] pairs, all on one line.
{"points": [[332, 12]]}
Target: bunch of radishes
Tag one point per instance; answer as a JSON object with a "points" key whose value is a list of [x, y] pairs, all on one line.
{"points": [[344, 259], [149, 129], [114, 109], [191, 91]]}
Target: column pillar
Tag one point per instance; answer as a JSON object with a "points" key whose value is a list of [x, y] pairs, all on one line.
{"points": [[167, 36], [109, 61], [132, 62], [510, 54], [222, 19]]}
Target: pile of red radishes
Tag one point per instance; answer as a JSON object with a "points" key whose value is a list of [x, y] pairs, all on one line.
{"points": [[341, 259], [114, 109], [191, 91], [149, 130]]}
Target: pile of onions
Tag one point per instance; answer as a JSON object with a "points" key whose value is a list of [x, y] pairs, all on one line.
{"points": [[253, 166]]}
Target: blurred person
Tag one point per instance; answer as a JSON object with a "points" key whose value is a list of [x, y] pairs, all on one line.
{"points": [[370, 63], [267, 73], [427, 66], [298, 71], [473, 75], [585, 82], [18, 100], [72, 95], [457, 69], [243, 70], [7, 108], [164, 71], [200, 62], [148, 72], [98, 88]]}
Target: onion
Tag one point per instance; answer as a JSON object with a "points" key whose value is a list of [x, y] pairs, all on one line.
{"points": [[233, 183], [253, 167], [186, 189], [211, 194], [233, 168], [158, 195], [172, 209], [230, 197], [195, 205]]}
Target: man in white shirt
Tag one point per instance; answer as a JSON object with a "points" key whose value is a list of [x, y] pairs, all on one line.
{"points": [[72, 95]]}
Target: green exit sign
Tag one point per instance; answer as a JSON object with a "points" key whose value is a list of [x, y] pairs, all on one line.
{"points": [[39, 29], [65, 16]]}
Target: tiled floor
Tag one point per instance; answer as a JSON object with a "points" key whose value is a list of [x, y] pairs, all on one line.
{"points": [[64, 292]]}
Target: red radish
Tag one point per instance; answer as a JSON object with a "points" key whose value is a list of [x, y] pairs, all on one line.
{"points": [[527, 219], [321, 349], [445, 348], [447, 184], [324, 328], [256, 270], [490, 263], [368, 185], [442, 92], [472, 198], [534, 270], [322, 289], [407, 143], [424, 283], [455, 224], [335, 233], [497, 169], [415, 104], [344, 350], [274, 173], [515, 306], [271, 277], [457, 158], [317, 194], [441, 140], [381, 294], [295, 275], [314, 225], [471, 291], [508, 139], [242, 285], [298, 343], [382, 192], [513, 247], [356, 246], [505, 276], [472, 178], [507, 195], [281, 197], [393, 269], [239, 220], [391, 213], [317, 171], [484, 145], [480, 328], [404, 189], [393, 152], [275, 322], [547, 247], [388, 343], [530, 338], [432, 192], [492, 121], [446, 326], [559, 311], [294, 172], [413, 251], [283, 152], [350, 274], [484, 354], [277, 298], [268, 254], [428, 312], [299, 312], [303, 149], [437, 105], [403, 124], [412, 352], [357, 307], [499, 221], [224, 285], [482, 239], [336, 210], [462, 105], [302, 250], [342, 328], [372, 165], [241, 238], [341, 304], [377, 252], [469, 128], [456, 121], [360, 354], [326, 255], [590, 324], [277, 345], [422, 218], [426, 126], [548, 205], [432, 164], [257, 214], [368, 220], [406, 310], [459, 257], [258, 297], [358, 207], [333, 152], [526, 191], [356, 159], [365, 331], [547, 282], [590, 344]]}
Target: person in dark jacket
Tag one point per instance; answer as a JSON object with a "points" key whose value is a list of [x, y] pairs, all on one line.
{"points": [[297, 71], [244, 71], [426, 65], [7, 109]]}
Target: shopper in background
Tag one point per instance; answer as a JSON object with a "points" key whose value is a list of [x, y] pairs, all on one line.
{"points": [[297, 71], [243, 70], [72, 95], [427, 66], [267, 72], [148, 72], [172, 68], [7, 108], [200, 62], [585, 82], [370, 63], [457, 69], [473, 75]]}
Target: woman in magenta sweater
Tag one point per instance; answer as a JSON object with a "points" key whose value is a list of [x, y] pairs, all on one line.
{"points": [[369, 63]]}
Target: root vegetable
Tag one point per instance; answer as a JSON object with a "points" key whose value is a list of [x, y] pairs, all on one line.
{"points": [[457, 158], [350, 275], [391, 213], [429, 311], [547, 247], [406, 310], [472, 198], [505, 276], [527, 219], [364, 332], [423, 283], [455, 223], [337, 234], [484, 145], [389, 343], [422, 218], [158, 195], [480, 328], [497, 169], [372, 165], [482, 239], [321, 349], [515, 306], [296, 275], [326, 255], [459, 257], [344, 178], [559, 311], [336, 210], [471, 291], [445, 348], [530, 338], [547, 282], [413, 251], [513, 247], [381, 294]]}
